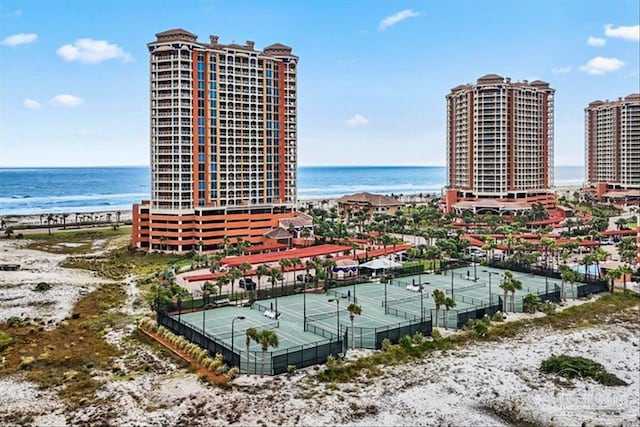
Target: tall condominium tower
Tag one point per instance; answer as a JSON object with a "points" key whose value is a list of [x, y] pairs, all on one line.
{"points": [[612, 147], [499, 145], [223, 142]]}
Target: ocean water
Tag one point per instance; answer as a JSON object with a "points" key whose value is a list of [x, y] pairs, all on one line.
{"points": [[51, 190]]}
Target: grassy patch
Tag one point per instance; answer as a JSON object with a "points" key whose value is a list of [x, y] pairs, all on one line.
{"points": [[81, 240], [118, 263], [70, 357], [579, 367], [608, 308]]}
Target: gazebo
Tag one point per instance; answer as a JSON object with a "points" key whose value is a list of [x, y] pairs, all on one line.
{"points": [[380, 264]]}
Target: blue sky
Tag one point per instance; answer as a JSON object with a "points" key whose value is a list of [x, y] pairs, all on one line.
{"points": [[373, 75]]}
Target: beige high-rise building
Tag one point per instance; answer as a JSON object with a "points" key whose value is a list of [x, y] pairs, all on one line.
{"points": [[499, 145], [612, 148], [223, 142]]}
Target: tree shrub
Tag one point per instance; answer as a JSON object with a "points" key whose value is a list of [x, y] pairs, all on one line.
{"points": [[42, 287], [531, 303], [547, 307], [579, 367], [14, 321], [498, 317], [405, 341], [5, 341]]}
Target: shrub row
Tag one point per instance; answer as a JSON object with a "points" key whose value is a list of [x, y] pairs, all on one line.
{"points": [[199, 354]]}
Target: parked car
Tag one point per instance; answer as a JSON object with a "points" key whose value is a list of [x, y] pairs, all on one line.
{"points": [[247, 284], [307, 278]]}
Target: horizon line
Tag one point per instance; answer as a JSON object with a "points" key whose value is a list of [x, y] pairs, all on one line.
{"points": [[299, 166]]}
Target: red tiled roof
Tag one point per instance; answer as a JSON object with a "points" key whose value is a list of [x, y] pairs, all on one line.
{"points": [[268, 246], [619, 232], [310, 252]]}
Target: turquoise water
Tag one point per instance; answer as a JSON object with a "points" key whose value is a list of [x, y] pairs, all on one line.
{"points": [[48, 190]]}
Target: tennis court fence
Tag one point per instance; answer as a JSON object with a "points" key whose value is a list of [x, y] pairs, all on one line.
{"points": [[276, 362]]}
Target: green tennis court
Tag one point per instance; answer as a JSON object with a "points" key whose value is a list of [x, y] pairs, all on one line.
{"points": [[308, 321]]}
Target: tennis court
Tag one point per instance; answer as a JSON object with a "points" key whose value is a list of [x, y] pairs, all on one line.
{"points": [[311, 325], [467, 291]]}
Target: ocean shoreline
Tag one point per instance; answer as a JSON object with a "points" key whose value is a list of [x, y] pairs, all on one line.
{"points": [[101, 216]]}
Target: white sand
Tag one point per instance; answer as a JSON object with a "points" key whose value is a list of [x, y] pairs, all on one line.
{"points": [[18, 296], [461, 387]]}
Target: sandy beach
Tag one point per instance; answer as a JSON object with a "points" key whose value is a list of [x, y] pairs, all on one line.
{"points": [[105, 217], [474, 385]]}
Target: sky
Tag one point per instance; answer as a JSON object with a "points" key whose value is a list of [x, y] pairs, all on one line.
{"points": [[372, 76]]}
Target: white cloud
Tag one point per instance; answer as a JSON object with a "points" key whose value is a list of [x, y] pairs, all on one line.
{"points": [[398, 17], [596, 41], [357, 120], [18, 39], [89, 51], [14, 14], [562, 70], [65, 100], [30, 104], [631, 33], [600, 65]]}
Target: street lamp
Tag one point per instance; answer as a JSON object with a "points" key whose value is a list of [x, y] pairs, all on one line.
{"points": [[452, 283], [232, 329], [490, 273], [422, 301], [304, 307], [475, 275], [337, 300]]}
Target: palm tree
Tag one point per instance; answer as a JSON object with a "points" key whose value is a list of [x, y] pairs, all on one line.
{"points": [[625, 270], [216, 259], [439, 299], [266, 338], [449, 303], [611, 276], [251, 334], [353, 309], [221, 281], [516, 285], [433, 253], [49, 221], [234, 274], [225, 245], [566, 273], [295, 262], [275, 276], [262, 270], [208, 288], [569, 223], [489, 246], [587, 261], [244, 267], [599, 255], [621, 223], [506, 285]]}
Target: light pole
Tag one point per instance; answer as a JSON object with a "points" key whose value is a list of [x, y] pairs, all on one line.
{"points": [[421, 304], [452, 283], [337, 300], [232, 329], [304, 307], [386, 311], [204, 310], [490, 273], [475, 275]]}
